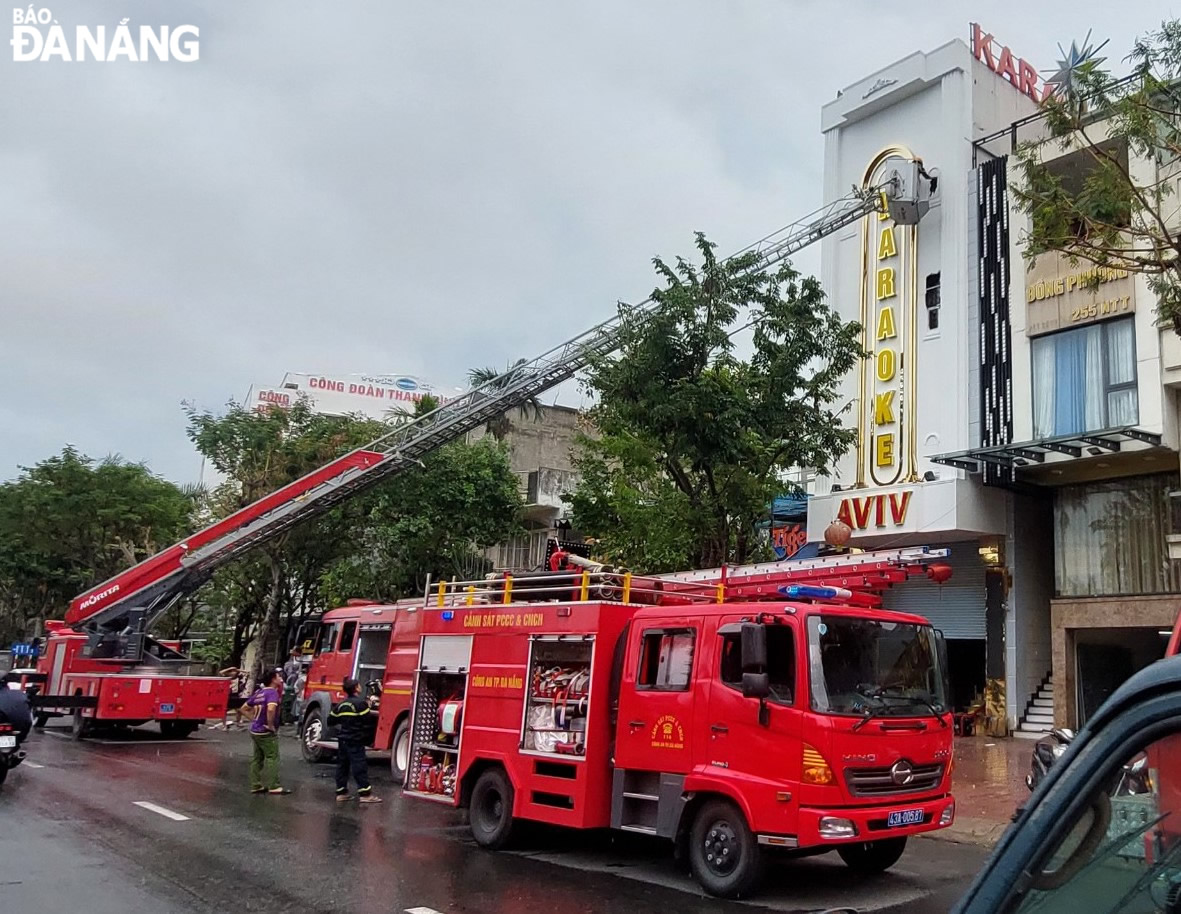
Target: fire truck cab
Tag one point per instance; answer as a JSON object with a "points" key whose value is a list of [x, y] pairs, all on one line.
{"points": [[727, 728], [376, 643]]}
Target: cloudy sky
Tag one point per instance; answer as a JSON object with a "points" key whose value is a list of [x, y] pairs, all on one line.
{"points": [[403, 187]]}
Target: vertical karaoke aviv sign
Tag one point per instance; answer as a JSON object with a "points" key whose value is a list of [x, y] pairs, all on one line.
{"points": [[889, 292]]}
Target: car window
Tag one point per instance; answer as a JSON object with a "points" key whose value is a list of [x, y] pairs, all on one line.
{"points": [[781, 661], [347, 634], [327, 637], [1122, 852], [666, 659]]}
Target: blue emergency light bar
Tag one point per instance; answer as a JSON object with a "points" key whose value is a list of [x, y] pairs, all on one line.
{"points": [[813, 592]]}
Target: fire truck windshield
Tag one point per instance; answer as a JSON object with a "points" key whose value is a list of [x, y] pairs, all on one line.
{"points": [[869, 667]]}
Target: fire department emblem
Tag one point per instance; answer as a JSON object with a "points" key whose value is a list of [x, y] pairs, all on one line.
{"points": [[667, 733]]}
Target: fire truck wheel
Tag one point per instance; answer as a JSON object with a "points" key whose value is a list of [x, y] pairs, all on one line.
{"points": [[81, 726], [723, 853], [400, 756], [872, 856], [177, 729], [309, 734], [491, 812], [3, 773]]}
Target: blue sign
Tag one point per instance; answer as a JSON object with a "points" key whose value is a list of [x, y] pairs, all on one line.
{"points": [[24, 650], [407, 384]]}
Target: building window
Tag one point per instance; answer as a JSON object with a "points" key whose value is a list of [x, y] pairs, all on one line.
{"points": [[932, 301], [1109, 538], [1084, 380]]}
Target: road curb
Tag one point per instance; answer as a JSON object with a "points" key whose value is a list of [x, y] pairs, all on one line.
{"points": [[965, 830]]}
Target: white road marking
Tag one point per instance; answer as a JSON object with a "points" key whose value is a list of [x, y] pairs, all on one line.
{"points": [[160, 810], [32, 765], [422, 911], [58, 735]]}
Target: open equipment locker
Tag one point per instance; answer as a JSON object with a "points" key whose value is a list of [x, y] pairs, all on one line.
{"points": [[441, 680], [557, 699]]}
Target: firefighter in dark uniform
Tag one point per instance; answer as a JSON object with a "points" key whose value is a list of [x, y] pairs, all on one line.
{"points": [[355, 723]]}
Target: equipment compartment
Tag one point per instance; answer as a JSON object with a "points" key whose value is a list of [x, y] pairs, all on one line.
{"points": [[558, 697], [438, 715]]}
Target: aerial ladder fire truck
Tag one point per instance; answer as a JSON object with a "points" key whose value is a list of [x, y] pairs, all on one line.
{"points": [[101, 665]]}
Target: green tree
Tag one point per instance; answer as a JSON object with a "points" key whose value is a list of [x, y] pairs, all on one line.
{"points": [[693, 440], [1113, 206], [71, 522], [499, 426], [435, 522], [380, 544], [259, 452]]}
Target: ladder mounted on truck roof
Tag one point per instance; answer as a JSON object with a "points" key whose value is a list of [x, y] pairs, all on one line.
{"points": [[856, 579], [118, 611]]}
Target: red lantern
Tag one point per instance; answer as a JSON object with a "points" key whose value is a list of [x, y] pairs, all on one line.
{"points": [[838, 534], [939, 572]]}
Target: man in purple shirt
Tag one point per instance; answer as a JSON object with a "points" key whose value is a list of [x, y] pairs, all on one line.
{"points": [[264, 732]]}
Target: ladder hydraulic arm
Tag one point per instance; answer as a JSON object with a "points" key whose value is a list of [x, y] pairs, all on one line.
{"points": [[119, 610]]}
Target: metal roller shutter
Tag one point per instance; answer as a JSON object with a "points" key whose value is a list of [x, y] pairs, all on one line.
{"points": [[955, 608]]}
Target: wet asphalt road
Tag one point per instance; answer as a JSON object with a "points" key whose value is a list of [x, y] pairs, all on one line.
{"points": [[73, 839]]}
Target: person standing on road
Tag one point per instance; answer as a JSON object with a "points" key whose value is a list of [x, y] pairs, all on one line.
{"points": [[354, 721], [264, 733], [293, 667]]}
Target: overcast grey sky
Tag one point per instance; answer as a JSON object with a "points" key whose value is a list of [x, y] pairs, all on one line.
{"points": [[387, 186]]}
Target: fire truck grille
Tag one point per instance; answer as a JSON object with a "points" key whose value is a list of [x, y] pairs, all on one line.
{"points": [[897, 779]]}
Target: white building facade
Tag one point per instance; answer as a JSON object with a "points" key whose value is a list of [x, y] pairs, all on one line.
{"points": [[916, 291], [1022, 414]]}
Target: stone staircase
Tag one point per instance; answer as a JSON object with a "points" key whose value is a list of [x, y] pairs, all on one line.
{"points": [[1039, 712]]}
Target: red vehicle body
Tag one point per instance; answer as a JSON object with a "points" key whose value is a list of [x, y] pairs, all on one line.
{"points": [[377, 643], [1164, 763], [159, 688], [726, 727]]}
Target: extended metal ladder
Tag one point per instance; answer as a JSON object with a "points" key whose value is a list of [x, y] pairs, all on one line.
{"points": [[131, 599]]}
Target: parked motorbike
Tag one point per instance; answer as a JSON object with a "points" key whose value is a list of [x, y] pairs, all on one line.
{"points": [[11, 754], [1134, 778], [1046, 751]]}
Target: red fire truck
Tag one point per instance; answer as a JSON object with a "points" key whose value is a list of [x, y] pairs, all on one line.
{"points": [[376, 643], [729, 711], [161, 687]]}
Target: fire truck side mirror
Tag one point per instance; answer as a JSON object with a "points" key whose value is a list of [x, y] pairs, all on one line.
{"points": [[754, 648], [756, 685]]}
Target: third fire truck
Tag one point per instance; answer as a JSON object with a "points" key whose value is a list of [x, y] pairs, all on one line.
{"points": [[734, 712]]}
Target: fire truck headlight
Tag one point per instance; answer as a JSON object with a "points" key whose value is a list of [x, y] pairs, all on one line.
{"points": [[834, 828], [948, 814]]}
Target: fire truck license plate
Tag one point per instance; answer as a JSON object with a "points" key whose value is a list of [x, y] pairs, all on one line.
{"points": [[7, 742], [904, 817], [167, 709]]}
